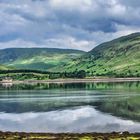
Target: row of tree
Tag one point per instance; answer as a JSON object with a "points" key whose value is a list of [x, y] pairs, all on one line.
{"points": [[40, 75]]}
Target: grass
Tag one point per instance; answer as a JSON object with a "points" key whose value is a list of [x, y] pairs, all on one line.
{"points": [[68, 136], [4, 67], [43, 62]]}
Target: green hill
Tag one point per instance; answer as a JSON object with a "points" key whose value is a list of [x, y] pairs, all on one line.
{"points": [[120, 57], [3, 67], [37, 58]]}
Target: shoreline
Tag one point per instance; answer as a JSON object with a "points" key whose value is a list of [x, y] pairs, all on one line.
{"points": [[69, 136], [85, 80]]}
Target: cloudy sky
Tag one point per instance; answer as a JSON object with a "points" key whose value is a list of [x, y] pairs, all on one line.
{"points": [[73, 24]]}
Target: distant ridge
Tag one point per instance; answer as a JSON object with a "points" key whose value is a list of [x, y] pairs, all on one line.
{"points": [[37, 58]]}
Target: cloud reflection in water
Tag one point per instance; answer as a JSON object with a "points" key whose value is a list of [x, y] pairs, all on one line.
{"points": [[80, 119]]}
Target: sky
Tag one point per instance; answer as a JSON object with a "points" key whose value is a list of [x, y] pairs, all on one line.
{"points": [[69, 24]]}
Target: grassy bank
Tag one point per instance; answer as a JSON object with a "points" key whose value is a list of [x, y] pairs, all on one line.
{"points": [[68, 136]]}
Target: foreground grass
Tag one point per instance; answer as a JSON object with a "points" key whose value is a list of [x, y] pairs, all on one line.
{"points": [[69, 136]]}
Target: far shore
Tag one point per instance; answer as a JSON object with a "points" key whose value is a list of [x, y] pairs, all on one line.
{"points": [[98, 80]]}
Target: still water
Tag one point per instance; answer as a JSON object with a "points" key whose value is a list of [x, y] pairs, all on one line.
{"points": [[73, 107]]}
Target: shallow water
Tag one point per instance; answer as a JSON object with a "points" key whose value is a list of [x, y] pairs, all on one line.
{"points": [[78, 107]]}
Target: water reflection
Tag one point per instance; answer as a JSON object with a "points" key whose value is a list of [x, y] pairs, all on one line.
{"points": [[81, 119], [88, 86], [84, 107]]}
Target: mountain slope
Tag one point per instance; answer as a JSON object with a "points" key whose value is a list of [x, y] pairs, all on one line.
{"points": [[37, 58], [120, 57], [3, 67]]}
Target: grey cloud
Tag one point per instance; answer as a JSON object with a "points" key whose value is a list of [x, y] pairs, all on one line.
{"points": [[91, 20]]}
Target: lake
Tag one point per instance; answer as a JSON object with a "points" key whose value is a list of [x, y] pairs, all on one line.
{"points": [[71, 107]]}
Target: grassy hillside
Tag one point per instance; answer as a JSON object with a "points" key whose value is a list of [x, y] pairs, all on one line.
{"points": [[120, 57], [4, 67], [37, 58]]}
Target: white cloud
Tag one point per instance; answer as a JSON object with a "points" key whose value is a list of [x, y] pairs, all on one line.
{"points": [[69, 43], [18, 43], [64, 43], [80, 4]]}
